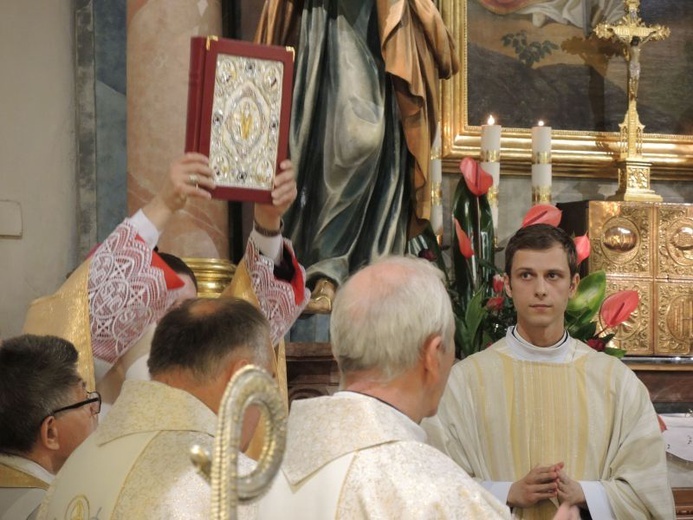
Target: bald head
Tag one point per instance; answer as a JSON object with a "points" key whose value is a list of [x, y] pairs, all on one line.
{"points": [[384, 313]]}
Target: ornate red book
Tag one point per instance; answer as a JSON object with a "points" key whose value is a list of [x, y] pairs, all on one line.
{"points": [[239, 108]]}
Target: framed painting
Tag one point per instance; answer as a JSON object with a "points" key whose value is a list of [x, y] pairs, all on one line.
{"points": [[530, 60]]}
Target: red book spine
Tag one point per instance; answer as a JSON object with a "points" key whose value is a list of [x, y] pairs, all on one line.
{"points": [[198, 54]]}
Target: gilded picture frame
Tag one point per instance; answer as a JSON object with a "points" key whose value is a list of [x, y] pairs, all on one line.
{"points": [[581, 147]]}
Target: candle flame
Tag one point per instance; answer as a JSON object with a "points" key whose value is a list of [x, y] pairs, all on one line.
{"points": [[540, 123], [491, 121]]}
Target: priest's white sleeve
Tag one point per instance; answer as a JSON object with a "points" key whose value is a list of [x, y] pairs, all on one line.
{"points": [[597, 500], [145, 228], [500, 490], [271, 247]]}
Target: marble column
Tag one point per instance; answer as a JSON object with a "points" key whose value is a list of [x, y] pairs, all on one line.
{"points": [[158, 53]]}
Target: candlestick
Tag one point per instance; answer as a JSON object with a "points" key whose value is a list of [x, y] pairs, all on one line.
{"points": [[437, 187], [490, 163], [541, 164]]}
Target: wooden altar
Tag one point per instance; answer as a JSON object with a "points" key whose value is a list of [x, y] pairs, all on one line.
{"points": [[312, 371]]}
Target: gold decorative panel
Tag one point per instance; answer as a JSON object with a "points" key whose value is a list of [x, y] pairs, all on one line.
{"points": [[647, 247], [674, 335], [620, 235], [675, 251]]}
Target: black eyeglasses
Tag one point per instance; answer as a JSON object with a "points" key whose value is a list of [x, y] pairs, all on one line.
{"points": [[93, 400]]}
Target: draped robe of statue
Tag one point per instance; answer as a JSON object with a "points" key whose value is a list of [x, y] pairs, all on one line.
{"points": [[137, 463], [353, 456], [503, 414], [23, 484], [364, 115]]}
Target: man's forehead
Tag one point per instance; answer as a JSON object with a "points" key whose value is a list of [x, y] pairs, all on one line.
{"points": [[553, 259]]}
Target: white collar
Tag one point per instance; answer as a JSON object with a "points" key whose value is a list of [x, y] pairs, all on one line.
{"points": [[523, 350]]}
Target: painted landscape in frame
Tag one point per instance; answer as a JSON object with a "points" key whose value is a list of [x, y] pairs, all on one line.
{"points": [[524, 65]]}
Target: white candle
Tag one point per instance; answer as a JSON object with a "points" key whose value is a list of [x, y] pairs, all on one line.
{"points": [[490, 135], [541, 155], [490, 149]]}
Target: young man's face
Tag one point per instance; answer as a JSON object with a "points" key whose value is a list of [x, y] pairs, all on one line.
{"points": [[540, 286]]}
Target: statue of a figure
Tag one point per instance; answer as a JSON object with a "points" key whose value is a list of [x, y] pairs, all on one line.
{"points": [[364, 116], [632, 53]]}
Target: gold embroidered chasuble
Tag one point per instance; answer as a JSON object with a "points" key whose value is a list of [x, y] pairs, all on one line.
{"points": [[23, 484], [501, 416], [374, 462], [66, 314], [137, 464], [15, 478]]}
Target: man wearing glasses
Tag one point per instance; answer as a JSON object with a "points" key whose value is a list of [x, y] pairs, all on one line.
{"points": [[45, 413]]}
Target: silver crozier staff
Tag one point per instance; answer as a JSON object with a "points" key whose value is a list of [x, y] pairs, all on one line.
{"points": [[249, 386]]}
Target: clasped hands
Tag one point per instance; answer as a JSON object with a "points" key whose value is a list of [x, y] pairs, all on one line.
{"points": [[544, 483]]}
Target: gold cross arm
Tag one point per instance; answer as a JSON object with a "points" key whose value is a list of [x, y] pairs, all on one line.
{"points": [[654, 32]]}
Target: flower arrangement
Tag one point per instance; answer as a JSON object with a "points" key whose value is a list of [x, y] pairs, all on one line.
{"points": [[483, 312]]}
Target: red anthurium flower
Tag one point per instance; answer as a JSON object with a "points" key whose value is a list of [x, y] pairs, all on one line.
{"points": [[618, 307], [477, 180], [583, 247], [463, 241], [495, 303], [597, 344], [468, 166], [542, 214], [497, 284]]}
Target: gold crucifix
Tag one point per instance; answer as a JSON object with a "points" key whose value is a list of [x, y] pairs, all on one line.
{"points": [[631, 32]]}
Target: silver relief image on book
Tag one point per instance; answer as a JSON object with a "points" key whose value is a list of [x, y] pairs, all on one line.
{"points": [[245, 121]]}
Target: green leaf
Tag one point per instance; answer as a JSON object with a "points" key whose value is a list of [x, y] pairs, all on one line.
{"points": [[583, 332], [576, 318], [607, 338], [589, 295], [616, 352], [475, 313]]}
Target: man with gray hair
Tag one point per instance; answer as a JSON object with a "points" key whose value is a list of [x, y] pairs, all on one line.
{"points": [[45, 413], [361, 453], [137, 464]]}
